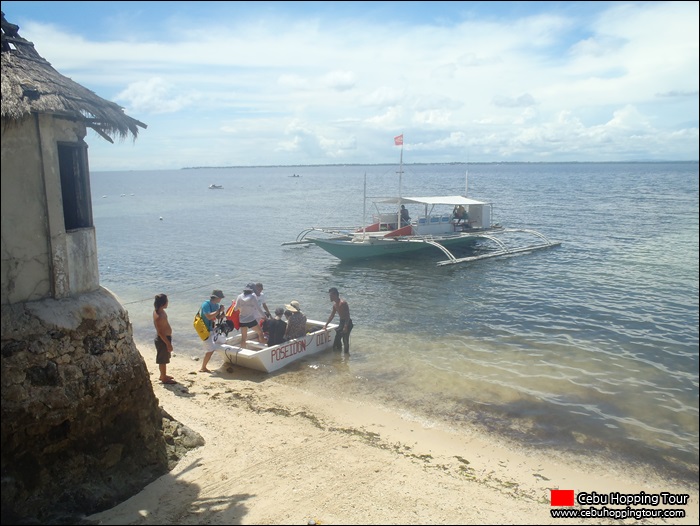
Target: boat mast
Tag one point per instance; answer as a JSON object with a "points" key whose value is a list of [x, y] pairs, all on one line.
{"points": [[398, 140], [364, 207], [466, 178]]}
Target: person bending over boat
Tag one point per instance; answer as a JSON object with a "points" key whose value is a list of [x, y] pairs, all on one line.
{"points": [[264, 311], [296, 321], [275, 328], [247, 305], [342, 333]]}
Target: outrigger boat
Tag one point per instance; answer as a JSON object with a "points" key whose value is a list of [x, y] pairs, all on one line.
{"points": [[434, 229], [260, 357]]}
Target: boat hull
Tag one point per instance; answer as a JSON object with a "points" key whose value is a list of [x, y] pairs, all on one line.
{"points": [[268, 359], [347, 249]]}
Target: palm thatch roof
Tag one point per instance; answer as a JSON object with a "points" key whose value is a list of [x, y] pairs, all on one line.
{"points": [[31, 85]]}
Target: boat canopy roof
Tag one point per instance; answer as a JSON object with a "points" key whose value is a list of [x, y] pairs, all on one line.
{"points": [[434, 200]]}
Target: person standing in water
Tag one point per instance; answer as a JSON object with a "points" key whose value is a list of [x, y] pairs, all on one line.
{"points": [[342, 333]]}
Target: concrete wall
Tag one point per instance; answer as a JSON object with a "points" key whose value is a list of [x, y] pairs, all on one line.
{"points": [[39, 259]]}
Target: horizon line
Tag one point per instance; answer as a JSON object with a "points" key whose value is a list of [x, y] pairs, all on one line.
{"points": [[423, 163]]}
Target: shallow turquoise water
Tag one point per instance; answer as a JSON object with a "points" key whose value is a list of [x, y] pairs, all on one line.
{"points": [[590, 347]]}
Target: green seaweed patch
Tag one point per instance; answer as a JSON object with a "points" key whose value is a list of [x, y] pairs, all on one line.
{"points": [[277, 411], [311, 418], [467, 472], [368, 436]]}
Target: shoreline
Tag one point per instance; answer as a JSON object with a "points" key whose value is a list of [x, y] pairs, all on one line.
{"points": [[276, 454], [471, 416]]}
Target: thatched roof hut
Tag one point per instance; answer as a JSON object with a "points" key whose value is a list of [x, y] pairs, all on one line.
{"points": [[31, 85]]}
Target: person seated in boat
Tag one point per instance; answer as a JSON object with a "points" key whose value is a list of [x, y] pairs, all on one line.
{"points": [[275, 328], [405, 218], [460, 214], [296, 321]]}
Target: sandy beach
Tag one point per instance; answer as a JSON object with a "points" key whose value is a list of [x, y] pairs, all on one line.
{"points": [[278, 455]]}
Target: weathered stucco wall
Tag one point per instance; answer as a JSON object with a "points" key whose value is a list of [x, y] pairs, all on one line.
{"points": [[25, 246], [39, 259], [81, 427], [82, 268]]}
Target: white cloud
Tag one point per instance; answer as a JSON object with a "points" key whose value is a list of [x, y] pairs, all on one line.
{"points": [[153, 96], [339, 80], [306, 90]]}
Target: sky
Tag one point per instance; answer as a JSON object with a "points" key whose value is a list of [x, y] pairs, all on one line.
{"points": [[312, 83]]}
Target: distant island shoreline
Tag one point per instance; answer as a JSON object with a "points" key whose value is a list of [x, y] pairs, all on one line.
{"points": [[294, 167], [426, 164]]}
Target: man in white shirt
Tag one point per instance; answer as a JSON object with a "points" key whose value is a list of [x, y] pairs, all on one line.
{"points": [[264, 311]]}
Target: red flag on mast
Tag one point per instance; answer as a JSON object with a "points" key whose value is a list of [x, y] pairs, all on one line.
{"points": [[398, 140]]}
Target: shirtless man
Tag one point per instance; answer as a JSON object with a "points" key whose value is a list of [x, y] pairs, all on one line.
{"points": [[342, 333], [163, 339]]}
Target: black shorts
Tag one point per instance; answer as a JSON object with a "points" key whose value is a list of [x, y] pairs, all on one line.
{"points": [[250, 324], [342, 324], [162, 354]]}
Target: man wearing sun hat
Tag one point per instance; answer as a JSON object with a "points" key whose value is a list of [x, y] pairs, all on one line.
{"points": [[211, 309], [296, 321]]}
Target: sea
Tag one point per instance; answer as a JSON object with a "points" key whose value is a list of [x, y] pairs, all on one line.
{"points": [[588, 348]]}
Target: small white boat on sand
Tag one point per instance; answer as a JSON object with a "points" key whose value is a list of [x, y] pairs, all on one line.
{"points": [[260, 357]]}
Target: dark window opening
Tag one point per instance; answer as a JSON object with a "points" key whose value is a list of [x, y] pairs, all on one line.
{"points": [[75, 185]]}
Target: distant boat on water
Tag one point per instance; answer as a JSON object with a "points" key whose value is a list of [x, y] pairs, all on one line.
{"points": [[295, 175], [215, 187]]}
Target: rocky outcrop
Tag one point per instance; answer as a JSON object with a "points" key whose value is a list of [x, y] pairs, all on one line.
{"points": [[179, 439], [81, 426]]}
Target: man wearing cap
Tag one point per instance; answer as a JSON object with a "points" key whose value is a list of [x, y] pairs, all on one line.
{"points": [[211, 309], [249, 308], [296, 321]]}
